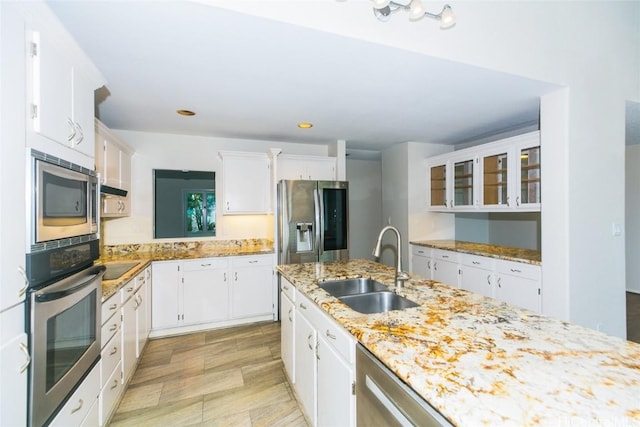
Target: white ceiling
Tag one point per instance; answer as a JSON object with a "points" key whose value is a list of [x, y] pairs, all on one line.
{"points": [[253, 78]]}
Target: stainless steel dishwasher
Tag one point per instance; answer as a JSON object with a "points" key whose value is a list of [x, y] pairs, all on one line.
{"points": [[383, 399]]}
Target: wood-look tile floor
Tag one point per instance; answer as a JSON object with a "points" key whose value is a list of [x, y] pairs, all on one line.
{"points": [[224, 377]]}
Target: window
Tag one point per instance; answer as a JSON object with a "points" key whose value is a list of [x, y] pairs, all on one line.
{"points": [[184, 203]]}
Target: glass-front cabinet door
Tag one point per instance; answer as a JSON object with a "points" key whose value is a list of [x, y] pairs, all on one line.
{"points": [[495, 178], [463, 183], [438, 185], [528, 176]]}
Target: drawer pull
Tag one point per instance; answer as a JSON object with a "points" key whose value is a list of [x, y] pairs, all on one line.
{"points": [[475, 262], [113, 307], [27, 362], [286, 288], [253, 262], [115, 384], [445, 256], [515, 270], [80, 403], [330, 335], [206, 265], [130, 289], [113, 327], [114, 350], [302, 306], [309, 340]]}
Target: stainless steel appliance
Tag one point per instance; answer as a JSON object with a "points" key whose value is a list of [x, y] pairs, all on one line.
{"points": [[382, 399], [312, 221], [64, 204]]}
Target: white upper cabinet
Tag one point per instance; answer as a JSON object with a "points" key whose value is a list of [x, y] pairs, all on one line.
{"points": [[499, 176], [246, 183], [313, 168], [60, 87]]}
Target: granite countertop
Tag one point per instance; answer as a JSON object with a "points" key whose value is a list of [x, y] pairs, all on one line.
{"points": [[507, 253], [479, 361], [146, 253]]}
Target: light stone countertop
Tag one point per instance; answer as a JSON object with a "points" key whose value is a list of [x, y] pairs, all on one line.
{"points": [[146, 253], [481, 362], [508, 253]]}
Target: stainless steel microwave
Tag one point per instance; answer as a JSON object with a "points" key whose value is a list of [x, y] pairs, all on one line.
{"points": [[65, 204]]}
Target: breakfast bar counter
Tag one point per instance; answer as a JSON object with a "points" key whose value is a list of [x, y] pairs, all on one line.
{"points": [[481, 362]]}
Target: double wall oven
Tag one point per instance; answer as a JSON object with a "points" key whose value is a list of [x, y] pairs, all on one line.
{"points": [[65, 287]]}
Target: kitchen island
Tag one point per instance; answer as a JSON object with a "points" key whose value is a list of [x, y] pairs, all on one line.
{"points": [[482, 362]]}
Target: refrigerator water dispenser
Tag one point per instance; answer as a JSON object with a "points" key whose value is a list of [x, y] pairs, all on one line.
{"points": [[304, 236]]}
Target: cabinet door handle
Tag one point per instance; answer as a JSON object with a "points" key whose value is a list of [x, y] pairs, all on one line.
{"points": [[23, 290], [290, 318], [429, 265], [115, 384], [330, 335], [225, 277], [309, 340], [235, 276], [27, 362], [72, 130], [499, 284], [488, 279], [518, 201], [80, 403], [435, 266], [114, 350], [302, 306], [508, 201]]}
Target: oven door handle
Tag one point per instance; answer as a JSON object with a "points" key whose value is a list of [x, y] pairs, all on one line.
{"points": [[66, 288]]}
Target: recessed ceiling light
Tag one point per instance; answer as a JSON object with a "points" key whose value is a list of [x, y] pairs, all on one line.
{"points": [[185, 113], [305, 125]]}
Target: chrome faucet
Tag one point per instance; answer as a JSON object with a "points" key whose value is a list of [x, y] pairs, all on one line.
{"points": [[401, 276]]}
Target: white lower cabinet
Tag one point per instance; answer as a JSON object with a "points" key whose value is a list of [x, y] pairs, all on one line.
{"points": [[421, 261], [14, 355], [445, 267], [194, 293], [519, 284], [81, 408], [323, 362], [305, 363], [128, 327], [476, 274], [287, 328]]}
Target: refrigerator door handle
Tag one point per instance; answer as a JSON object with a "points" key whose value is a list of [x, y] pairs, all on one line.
{"points": [[319, 232]]}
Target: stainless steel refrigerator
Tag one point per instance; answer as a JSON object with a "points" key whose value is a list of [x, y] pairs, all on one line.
{"points": [[312, 221]]}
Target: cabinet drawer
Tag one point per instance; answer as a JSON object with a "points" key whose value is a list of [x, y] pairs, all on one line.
{"points": [[109, 329], [141, 279], [110, 307], [288, 289], [445, 255], [110, 357], [477, 261], [109, 394], [341, 340], [80, 403], [251, 260], [93, 417], [420, 251], [127, 291], [520, 269], [205, 264]]}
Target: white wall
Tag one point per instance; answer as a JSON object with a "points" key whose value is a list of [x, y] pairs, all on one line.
{"points": [[365, 205], [632, 207], [168, 151]]}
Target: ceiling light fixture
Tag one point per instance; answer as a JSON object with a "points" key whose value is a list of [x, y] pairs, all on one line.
{"points": [[185, 112], [383, 9], [305, 125]]}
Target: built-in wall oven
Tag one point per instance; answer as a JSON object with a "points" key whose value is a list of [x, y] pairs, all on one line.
{"points": [[65, 287]]}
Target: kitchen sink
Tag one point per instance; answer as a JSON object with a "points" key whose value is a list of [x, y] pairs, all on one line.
{"points": [[377, 302], [118, 269], [361, 285]]}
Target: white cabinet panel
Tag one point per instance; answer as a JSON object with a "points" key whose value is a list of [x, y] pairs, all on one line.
{"points": [[246, 183], [287, 346], [313, 168], [251, 286], [445, 267], [14, 355], [81, 403], [166, 301], [129, 360], [206, 295], [305, 365], [336, 400], [421, 261]]}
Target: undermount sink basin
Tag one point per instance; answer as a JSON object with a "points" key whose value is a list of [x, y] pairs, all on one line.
{"points": [[361, 285], [377, 302]]}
